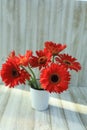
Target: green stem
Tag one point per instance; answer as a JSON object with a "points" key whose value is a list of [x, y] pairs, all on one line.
{"points": [[32, 72], [33, 80], [24, 69], [34, 77], [53, 59]]}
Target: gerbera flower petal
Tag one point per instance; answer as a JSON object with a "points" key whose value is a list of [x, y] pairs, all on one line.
{"points": [[13, 56], [68, 61], [33, 61], [55, 78], [24, 59]]}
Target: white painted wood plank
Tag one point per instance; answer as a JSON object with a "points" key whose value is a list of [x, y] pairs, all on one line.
{"points": [[52, 20], [46, 20], [57, 21], [17, 114], [67, 112], [4, 97], [34, 24], [28, 39], [10, 115], [10, 9], [73, 118], [42, 120], [63, 21], [22, 20], [4, 28], [81, 100], [58, 119]]}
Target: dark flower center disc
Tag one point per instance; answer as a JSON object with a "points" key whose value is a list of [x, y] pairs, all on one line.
{"points": [[42, 60], [54, 78], [67, 62], [14, 73]]}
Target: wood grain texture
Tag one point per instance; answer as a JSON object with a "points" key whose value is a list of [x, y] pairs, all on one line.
{"points": [[27, 24], [67, 112]]}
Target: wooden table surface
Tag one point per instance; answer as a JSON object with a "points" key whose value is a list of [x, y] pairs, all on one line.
{"points": [[67, 112]]}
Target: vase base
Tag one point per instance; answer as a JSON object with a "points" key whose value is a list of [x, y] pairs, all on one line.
{"points": [[38, 109], [39, 99]]}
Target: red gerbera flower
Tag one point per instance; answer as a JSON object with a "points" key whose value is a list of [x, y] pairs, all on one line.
{"points": [[41, 60], [24, 60], [69, 62], [12, 75], [55, 78], [12, 55], [54, 48]]}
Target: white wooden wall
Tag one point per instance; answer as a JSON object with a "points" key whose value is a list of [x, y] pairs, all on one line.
{"points": [[26, 24]]}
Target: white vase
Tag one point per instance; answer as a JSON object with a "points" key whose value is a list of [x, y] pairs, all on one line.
{"points": [[39, 99]]}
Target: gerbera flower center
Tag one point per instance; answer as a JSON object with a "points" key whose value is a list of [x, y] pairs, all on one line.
{"points": [[15, 73], [67, 62], [42, 60], [55, 78]]}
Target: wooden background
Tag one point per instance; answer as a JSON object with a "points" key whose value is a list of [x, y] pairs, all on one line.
{"points": [[27, 24]]}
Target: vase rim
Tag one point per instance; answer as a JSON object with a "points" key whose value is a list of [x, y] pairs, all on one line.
{"points": [[41, 89]]}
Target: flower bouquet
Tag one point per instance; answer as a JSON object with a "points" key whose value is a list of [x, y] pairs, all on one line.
{"points": [[53, 66]]}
